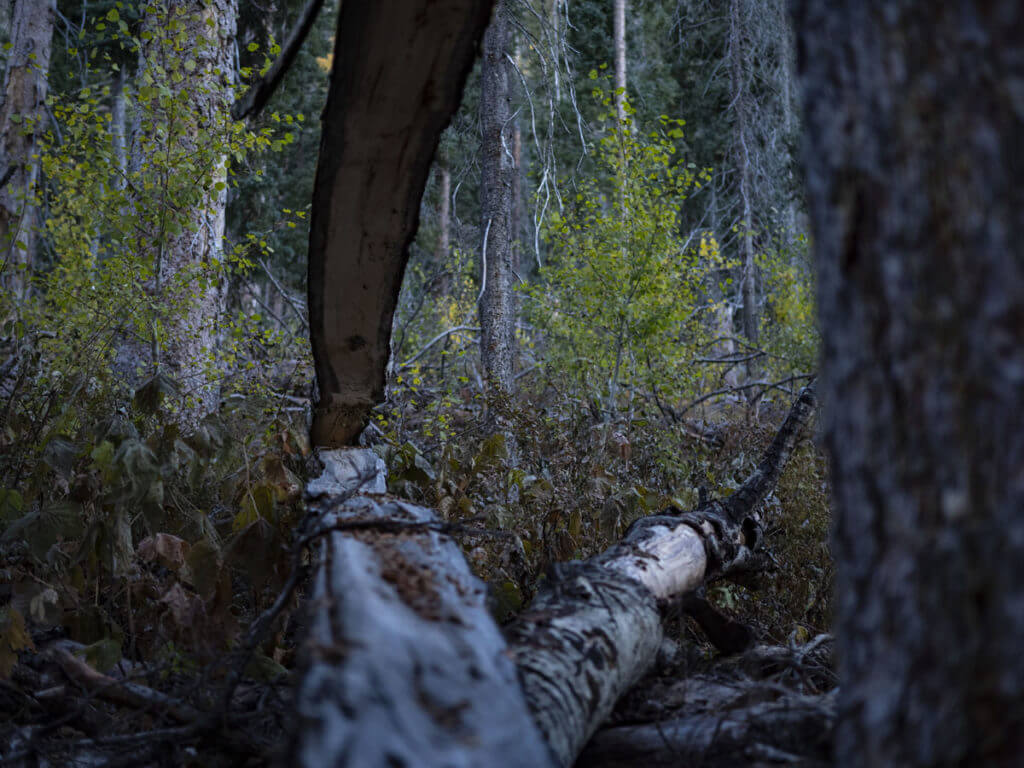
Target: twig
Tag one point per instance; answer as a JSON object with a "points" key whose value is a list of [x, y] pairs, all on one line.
{"points": [[120, 691], [252, 102]]}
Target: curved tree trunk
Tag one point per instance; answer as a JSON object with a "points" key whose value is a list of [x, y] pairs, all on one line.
{"points": [[914, 114], [399, 67], [22, 113]]}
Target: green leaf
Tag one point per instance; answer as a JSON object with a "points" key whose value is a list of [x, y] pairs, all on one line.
{"points": [[152, 392], [42, 529], [103, 655], [59, 454], [11, 505]]}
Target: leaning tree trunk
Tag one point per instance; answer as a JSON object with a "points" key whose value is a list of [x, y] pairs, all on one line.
{"points": [[22, 113], [914, 114], [497, 307], [384, 114], [189, 224]]}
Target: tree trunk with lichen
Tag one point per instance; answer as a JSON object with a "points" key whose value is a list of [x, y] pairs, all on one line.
{"points": [[189, 250], [22, 117], [913, 115]]}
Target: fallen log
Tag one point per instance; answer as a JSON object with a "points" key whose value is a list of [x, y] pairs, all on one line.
{"points": [[403, 665], [792, 730], [596, 628]]}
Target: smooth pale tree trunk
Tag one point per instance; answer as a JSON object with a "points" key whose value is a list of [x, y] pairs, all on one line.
{"points": [[187, 282], [444, 226], [22, 118], [384, 115], [914, 115], [739, 69], [119, 128], [619, 35], [497, 306]]}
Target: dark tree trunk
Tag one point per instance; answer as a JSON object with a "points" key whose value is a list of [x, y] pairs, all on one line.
{"points": [[383, 118], [739, 70], [497, 309], [914, 116], [444, 227], [22, 112]]}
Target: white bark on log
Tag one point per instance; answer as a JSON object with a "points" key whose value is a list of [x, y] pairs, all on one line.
{"points": [[404, 665], [596, 628]]}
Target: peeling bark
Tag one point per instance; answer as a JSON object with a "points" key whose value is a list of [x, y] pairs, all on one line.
{"points": [[384, 114], [403, 662]]}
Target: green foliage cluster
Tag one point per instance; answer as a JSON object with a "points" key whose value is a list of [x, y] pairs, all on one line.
{"points": [[628, 399], [132, 533], [618, 301]]}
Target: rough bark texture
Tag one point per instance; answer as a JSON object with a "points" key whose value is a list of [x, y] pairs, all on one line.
{"points": [[914, 115], [404, 665], [198, 304], [22, 114], [399, 67], [497, 307], [739, 69], [770, 734], [595, 629]]}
